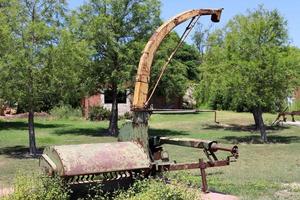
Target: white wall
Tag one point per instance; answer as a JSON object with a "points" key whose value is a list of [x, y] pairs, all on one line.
{"points": [[122, 107]]}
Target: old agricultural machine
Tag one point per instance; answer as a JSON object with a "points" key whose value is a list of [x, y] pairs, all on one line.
{"points": [[135, 155]]}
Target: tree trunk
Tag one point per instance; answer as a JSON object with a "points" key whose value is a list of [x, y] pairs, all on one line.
{"points": [[256, 121], [32, 146], [31, 103], [259, 123], [113, 121]]}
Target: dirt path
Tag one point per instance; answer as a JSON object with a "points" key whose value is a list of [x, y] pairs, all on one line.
{"points": [[24, 115], [218, 196], [207, 196], [290, 191], [6, 191], [296, 123]]}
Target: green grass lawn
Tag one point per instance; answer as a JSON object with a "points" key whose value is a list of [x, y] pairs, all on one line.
{"points": [[263, 171], [14, 141]]}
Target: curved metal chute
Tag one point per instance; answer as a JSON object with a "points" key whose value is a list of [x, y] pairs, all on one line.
{"points": [[144, 68]]}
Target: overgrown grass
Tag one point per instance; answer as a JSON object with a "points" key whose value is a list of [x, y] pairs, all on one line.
{"points": [[66, 112], [157, 190], [33, 186], [263, 171]]}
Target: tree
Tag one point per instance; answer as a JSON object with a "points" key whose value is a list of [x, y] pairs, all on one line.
{"points": [[182, 71], [248, 66], [64, 69], [31, 29], [200, 38], [294, 53], [116, 30]]}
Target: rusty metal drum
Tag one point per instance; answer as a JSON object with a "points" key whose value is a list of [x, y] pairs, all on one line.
{"points": [[74, 160]]}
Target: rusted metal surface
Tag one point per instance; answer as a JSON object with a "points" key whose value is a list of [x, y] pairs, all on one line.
{"points": [[198, 165], [234, 150], [284, 114], [195, 165], [144, 68], [209, 148], [202, 165], [201, 144], [188, 142], [187, 31], [203, 176], [184, 166], [72, 160], [136, 130], [107, 179], [123, 162]]}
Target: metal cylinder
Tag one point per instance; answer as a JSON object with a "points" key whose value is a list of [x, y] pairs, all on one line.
{"points": [[73, 160]]}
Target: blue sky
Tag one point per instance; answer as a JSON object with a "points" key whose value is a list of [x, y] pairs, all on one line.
{"points": [[170, 8]]}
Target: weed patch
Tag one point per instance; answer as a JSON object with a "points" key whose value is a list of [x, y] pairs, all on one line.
{"points": [[36, 187]]}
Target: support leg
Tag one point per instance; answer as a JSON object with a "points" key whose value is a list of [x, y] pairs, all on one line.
{"points": [[203, 176]]}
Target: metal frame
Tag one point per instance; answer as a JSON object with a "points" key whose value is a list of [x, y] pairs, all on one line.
{"points": [[209, 147]]}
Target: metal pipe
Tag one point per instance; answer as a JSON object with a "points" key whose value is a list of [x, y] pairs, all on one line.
{"points": [[188, 142]]}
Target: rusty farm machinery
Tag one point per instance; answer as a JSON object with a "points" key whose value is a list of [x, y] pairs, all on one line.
{"points": [[284, 115], [135, 155]]}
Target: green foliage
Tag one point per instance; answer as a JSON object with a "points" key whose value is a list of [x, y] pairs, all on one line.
{"points": [[184, 177], [63, 73], [34, 29], [36, 187], [95, 192], [147, 189], [151, 189], [128, 115], [65, 112], [182, 70], [41, 61], [98, 113], [200, 38], [249, 64], [2, 106], [295, 105], [41, 65], [116, 31]]}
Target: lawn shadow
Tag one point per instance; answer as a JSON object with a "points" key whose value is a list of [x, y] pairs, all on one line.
{"points": [[166, 132], [4, 125], [174, 113], [95, 132], [18, 152], [238, 127], [255, 139], [211, 173]]}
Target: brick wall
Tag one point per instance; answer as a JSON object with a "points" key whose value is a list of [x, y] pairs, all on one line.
{"points": [[87, 102], [98, 100]]}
